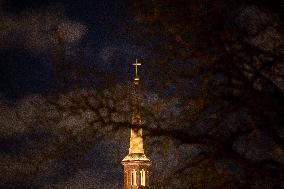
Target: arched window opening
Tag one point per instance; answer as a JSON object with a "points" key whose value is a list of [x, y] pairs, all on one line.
{"points": [[133, 178], [142, 177]]}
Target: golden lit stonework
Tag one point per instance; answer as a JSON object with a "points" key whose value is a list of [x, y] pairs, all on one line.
{"points": [[136, 164]]}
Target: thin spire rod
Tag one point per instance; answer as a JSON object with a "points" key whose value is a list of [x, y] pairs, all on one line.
{"points": [[136, 118]]}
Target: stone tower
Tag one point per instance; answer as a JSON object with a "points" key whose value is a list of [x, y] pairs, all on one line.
{"points": [[136, 164]]}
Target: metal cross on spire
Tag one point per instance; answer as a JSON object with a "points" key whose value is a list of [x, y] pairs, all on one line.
{"points": [[136, 64]]}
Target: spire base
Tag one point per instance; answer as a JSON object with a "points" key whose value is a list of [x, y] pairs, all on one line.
{"points": [[132, 157]]}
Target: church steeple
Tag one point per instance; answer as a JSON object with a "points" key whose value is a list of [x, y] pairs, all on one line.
{"points": [[136, 140], [136, 164]]}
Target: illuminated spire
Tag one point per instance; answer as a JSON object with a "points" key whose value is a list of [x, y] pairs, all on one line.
{"points": [[136, 140], [136, 118]]}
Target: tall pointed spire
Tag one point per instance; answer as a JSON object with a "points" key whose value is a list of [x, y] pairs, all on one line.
{"points": [[136, 140], [136, 118], [136, 164]]}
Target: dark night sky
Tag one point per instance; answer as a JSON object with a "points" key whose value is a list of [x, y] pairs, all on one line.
{"points": [[24, 72]]}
